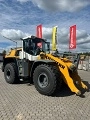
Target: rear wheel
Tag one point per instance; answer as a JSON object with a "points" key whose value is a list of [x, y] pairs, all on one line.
{"points": [[45, 79], [10, 73]]}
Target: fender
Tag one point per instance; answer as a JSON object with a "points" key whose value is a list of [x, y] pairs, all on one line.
{"points": [[42, 61]]}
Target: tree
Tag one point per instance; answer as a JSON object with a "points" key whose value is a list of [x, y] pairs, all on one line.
{"points": [[4, 52]]}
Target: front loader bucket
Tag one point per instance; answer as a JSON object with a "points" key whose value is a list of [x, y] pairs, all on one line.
{"points": [[77, 80], [72, 80]]}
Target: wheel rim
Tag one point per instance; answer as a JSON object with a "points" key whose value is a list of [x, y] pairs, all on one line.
{"points": [[43, 80], [8, 74]]}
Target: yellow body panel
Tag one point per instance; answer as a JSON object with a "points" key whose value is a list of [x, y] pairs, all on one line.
{"points": [[12, 53]]}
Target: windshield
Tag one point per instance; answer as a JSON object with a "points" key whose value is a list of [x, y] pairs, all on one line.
{"points": [[35, 46]]}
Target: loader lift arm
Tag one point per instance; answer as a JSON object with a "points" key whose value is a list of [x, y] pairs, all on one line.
{"points": [[68, 72]]}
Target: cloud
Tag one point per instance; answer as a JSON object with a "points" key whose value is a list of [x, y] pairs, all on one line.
{"points": [[47, 32], [60, 5], [18, 18], [13, 34], [1, 49], [81, 34], [23, 1], [83, 39]]}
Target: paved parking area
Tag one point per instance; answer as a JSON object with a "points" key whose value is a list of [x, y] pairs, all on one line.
{"points": [[23, 102]]}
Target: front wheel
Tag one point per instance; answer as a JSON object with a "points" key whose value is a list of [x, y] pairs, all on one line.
{"points": [[45, 79]]}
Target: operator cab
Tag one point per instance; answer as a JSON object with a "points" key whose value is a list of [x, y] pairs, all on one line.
{"points": [[33, 45]]}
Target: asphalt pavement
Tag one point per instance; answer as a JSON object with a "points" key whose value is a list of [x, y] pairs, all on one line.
{"points": [[23, 102]]}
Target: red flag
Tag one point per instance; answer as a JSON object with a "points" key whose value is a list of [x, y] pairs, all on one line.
{"points": [[39, 31], [72, 42]]}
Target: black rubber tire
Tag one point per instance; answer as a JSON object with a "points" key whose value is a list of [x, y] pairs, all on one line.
{"points": [[13, 78], [49, 70], [58, 76]]}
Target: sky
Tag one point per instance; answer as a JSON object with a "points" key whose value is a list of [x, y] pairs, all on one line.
{"points": [[19, 18]]}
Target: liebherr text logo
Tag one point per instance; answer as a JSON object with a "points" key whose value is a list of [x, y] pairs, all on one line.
{"points": [[72, 44]]}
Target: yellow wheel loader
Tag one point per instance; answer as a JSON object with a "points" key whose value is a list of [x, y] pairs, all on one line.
{"points": [[47, 70]]}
